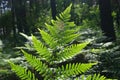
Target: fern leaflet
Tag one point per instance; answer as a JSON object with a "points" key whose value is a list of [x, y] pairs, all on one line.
{"points": [[74, 69], [23, 73], [48, 39], [36, 63], [41, 49], [71, 51]]}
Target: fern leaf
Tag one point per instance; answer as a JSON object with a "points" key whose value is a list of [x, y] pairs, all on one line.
{"points": [[96, 77], [65, 15], [68, 39], [69, 32], [36, 63], [41, 49], [74, 69], [92, 77], [51, 29], [71, 51], [23, 73], [48, 39], [70, 24]]}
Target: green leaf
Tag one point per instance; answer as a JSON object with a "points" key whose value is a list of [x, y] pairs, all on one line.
{"points": [[52, 29], [75, 68], [36, 63], [48, 39], [65, 15], [71, 51], [23, 73], [41, 49]]}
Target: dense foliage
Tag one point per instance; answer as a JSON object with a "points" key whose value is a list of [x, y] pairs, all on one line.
{"points": [[27, 15]]}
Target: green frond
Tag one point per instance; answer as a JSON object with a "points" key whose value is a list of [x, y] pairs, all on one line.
{"points": [[71, 51], [51, 29], [48, 39], [75, 68], [65, 15], [36, 63], [70, 24], [41, 49], [69, 32], [70, 38], [98, 77], [23, 73], [95, 77]]}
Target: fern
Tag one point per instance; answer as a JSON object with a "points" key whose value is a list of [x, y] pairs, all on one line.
{"points": [[41, 49], [23, 73], [71, 51], [74, 69], [93, 77], [65, 15], [53, 50], [36, 63], [48, 39]]}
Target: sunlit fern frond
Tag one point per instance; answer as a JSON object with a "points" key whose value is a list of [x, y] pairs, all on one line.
{"points": [[23, 73], [74, 69], [71, 51], [52, 43], [51, 29], [68, 39], [36, 63], [70, 25], [41, 49], [65, 15]]}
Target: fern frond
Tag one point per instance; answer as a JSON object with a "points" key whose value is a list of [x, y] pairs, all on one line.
{"points": [[74, 69], [41, 49], [65, 15], [71, 51], [96, 77], [70, 38], [48, 39], [70, 25], [23, 73], [93, 77], [36, 63], [51, 29]]}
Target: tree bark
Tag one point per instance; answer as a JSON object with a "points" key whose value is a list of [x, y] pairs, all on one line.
{"points": [[53, 8], [106, 19]]}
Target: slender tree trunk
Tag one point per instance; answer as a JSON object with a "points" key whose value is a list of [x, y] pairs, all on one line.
{"points": [[13, 21], [53, 8], [106, 19], [18, 13]]}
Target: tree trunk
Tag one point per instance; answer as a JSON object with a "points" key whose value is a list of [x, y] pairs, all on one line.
{"points": [[107, 20], [13, 21], [53, 8]]}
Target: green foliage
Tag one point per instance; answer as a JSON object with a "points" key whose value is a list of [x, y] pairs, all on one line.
{"points": [[94, 77], [108, 57], [74, 69], [87, 16], [55, 48], [23, 73]]}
